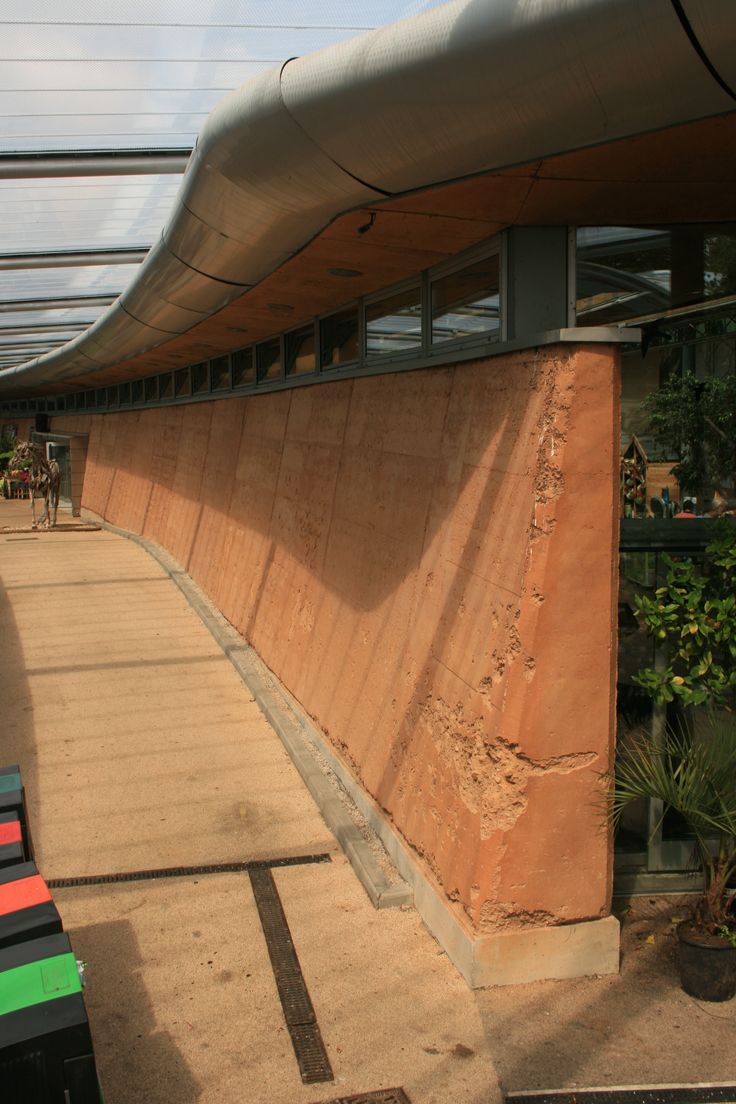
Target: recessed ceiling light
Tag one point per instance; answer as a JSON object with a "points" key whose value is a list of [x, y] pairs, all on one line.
{"points": [[349, 272], [280, 307]]}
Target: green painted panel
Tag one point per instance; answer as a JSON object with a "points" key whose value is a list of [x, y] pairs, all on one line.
{"points": [[9, 782], [38, 982]]}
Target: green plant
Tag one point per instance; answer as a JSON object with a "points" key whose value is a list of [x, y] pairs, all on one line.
{"points": [[696, 777], [729, 934], [695, 420], [693, 619]]}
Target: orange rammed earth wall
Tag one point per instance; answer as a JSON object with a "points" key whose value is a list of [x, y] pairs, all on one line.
{"points": [[427, 561]]}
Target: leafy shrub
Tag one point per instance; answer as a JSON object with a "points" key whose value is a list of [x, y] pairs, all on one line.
{"points": [[693, 618]]}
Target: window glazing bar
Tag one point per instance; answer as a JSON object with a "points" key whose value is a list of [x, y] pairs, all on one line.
{"points": [[27, 166], [70, 328], [12, 305], [71, 259]]}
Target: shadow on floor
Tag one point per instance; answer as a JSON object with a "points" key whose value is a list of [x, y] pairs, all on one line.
{"points": [[136, 1061]]}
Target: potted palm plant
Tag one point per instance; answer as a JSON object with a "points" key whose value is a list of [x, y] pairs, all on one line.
{"points": [[696, 777], [691, 768]]}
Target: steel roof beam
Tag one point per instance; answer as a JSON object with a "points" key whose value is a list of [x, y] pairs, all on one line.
{"points": [[146, 162], [45, 328], [28, 348], [71, 259], [9, 306]]}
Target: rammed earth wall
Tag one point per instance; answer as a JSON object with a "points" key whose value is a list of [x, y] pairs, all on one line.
{"points": [[427, 561]]}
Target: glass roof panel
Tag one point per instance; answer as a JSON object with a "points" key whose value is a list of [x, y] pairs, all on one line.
{"points": [[84, 213], [41, 315], [50, 282]]}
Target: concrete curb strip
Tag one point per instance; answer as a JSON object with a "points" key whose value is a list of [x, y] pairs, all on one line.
{"points": [[297, 734]]}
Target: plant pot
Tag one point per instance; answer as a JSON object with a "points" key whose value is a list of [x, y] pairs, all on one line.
{"points": [[707, 964]]}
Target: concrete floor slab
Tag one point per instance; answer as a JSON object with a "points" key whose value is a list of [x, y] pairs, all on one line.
{"points": [[139, 743], [184, 1006]]}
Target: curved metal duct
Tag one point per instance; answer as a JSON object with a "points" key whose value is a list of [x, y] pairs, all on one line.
{"points": [[472, 86]]}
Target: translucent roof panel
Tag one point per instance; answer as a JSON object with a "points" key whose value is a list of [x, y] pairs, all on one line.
{"points": [[133, 74], [51, 282], [84, 213], [83, 315], [91, 76]]}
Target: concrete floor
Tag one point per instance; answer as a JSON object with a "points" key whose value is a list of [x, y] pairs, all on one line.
{"points": [[141, 748], [634, 1028]]}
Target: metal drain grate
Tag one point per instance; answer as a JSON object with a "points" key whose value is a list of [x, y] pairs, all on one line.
{"points": [[184, 871], [309, 1048], [383, 1096]]}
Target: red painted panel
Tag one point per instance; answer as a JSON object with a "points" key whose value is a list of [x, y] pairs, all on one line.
{"points": [[10, 832], [23, 894]]}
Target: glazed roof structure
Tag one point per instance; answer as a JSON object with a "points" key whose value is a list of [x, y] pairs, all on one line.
{"points": [[101, 103]]}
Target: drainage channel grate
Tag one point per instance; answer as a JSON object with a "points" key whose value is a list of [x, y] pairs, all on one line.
{"points": [[185, 871], [383, 1096], [309, 1048], [665, 1094]]}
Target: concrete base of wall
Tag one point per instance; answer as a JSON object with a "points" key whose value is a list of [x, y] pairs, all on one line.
{"points": [[535, 954], [511, 957]]}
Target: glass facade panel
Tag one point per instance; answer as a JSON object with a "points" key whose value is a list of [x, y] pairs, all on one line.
{"points": [[466, 303], [677, 419], [137, 391], [200, 379], [339, 340], [151, 389], [182, 383], [242, 367], [165, 386], [220, 373], [394, 324], [625, 273], [268, 360], [299, 352]]}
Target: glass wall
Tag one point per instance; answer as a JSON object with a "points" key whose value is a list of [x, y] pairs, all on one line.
{"points": [[466, 302], [627, 273], [393, 324], [678, 419], [678, 466]]}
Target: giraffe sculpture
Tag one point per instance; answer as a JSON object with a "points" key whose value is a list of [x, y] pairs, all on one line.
{"points": [[43, 482]]}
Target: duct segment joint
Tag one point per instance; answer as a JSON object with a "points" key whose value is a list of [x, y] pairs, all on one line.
{"points": [[358, 180], [191, 267]]}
